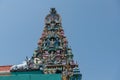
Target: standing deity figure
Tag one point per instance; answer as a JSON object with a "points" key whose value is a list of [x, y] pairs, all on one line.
{"points": [[52, 34], [52, 55], [52, 43], [62, 33], [48, 27], [57, 43], [52, 25], [46, 43]]}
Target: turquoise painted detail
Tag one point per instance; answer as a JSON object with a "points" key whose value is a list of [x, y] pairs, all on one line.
{"points": [[32, 77], [26, 73]]}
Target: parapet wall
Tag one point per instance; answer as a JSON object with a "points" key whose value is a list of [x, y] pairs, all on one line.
{"points": [[32, 77], [5, 68]]}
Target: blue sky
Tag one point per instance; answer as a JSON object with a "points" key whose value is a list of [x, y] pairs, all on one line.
{"points": [[92, 28]]}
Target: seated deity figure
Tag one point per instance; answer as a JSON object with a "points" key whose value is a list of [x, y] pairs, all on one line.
{"points": [[44, 34], [40, 42], [45, 55], [58, 51], [58, 59], [64, 62], [56, 27], [72, 62]]}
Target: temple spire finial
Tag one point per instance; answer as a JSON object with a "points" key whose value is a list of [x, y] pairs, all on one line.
{"points": [[53, 11]]}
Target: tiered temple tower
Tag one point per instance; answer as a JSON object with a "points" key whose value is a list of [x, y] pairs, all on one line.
{"points": [[52, 56]]}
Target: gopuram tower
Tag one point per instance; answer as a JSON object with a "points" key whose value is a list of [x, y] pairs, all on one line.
{"points": [[52, 55]]}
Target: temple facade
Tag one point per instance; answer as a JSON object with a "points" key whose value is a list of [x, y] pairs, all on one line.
{"points": [[53, 57]]}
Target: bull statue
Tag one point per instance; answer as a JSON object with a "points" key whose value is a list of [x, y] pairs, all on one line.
{"points": [[20, 67]]}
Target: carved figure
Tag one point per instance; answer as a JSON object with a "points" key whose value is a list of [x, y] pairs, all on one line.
{"points": [[52, 42], [47, 43], [57, 43], [22, 66]]}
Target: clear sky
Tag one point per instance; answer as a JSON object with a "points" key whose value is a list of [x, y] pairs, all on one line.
{"points": [[92, 28]]}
